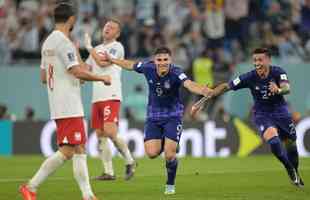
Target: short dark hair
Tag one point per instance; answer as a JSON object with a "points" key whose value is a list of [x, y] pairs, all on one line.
{"points": [[164, 50], [262, 50], [63, 11]]}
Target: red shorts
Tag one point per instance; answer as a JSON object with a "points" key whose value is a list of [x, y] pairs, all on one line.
{"points": [[105, 111], [70, 131]]}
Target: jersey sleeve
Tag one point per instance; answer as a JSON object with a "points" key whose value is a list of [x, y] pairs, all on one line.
{"points": [[117, 51], [281, 75], [181, 75], [240, 82], [139, 67], [68, 55]]}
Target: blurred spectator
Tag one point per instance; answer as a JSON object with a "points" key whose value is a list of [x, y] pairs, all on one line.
{"points": [[236, 23], [214, 27], [203, 69], [150, 23], [3, 112], [29, 113], [289, 44]]}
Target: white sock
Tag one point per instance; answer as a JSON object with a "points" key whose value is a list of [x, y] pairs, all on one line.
{"points": [[47, 168], [81, 176], [123, 149], [106, 156]]}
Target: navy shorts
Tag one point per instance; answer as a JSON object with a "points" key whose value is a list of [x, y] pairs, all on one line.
{"points": [[170, 128], [282, 122]]}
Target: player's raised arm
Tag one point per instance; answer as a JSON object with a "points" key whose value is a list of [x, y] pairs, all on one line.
{"points": [[197, 88], [78, 68], [93, 53]]}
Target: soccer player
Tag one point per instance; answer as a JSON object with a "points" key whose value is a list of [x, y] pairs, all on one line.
{"points": [[268, 84], [107, 99], [163, 126], [61, 70]]}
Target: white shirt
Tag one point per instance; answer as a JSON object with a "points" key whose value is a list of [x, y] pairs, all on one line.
{"points": [[103, 92], [64, 94]]}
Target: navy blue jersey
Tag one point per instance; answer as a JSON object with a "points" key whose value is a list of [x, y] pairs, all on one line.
{"points": [[164, 92], [263, 102]]}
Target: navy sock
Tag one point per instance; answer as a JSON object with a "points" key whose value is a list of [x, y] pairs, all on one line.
{"points": [[292, 153], [279, 152], [171, 166]]}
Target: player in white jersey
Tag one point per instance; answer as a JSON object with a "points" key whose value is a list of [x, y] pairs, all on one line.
{"points": [[106, 100], [62, 69]]}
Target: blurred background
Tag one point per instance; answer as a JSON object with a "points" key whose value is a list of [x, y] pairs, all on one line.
{"points": [[211, 40]]}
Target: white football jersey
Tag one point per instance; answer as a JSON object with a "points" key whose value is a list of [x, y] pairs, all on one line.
{"points": [[64, 94], [103, 92]]}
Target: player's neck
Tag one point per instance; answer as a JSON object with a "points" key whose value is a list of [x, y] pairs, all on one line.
{"points": [[62, 28], [105, 41], [266, 73]]}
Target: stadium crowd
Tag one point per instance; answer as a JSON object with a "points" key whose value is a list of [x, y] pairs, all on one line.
{"points": [[207, 37]]}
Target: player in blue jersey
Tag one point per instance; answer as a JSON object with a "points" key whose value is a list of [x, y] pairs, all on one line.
{"points": [[163, 126], [272, 118]]}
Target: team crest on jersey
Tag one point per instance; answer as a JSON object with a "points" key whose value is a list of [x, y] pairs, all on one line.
{"points": [[283, 77], [70, 56], [112, 51], [236, 81], [77, 136], [167, 84]]}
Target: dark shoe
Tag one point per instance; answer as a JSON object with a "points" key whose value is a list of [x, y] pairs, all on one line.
{"points": [[105, 177], [130, 171], [293, 176], [301, 183]]}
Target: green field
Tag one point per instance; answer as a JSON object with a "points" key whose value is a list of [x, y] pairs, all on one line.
{"points": [[252, 178]]}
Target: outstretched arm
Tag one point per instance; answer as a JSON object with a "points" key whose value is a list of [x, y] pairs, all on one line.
{"points": [[282, 90], [220, 89], [92, 52], [125, 64], [196, 88]]}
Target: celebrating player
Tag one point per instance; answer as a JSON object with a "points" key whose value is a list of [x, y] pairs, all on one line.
{"points": [[268, 84], [106, 100], [163, 127], [62, 69]]}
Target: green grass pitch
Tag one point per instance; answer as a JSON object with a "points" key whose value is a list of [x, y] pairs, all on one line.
{"points": [[251, 178]]}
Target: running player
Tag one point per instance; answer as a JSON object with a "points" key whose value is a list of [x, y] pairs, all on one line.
{"points": [[163, 126], [61, 70], [107, 99], [268, 84]]}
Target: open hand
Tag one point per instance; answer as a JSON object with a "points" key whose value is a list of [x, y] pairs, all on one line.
{"points": [[87, 41]]}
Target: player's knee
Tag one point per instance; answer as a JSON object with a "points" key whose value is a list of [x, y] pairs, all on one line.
{"points": [[170, 155], [152, 153], [67, 153], [270, 133], [99, 133]]}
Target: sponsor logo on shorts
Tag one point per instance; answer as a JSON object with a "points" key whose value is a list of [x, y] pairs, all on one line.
{"points": [[77, 136], [65, 140]]}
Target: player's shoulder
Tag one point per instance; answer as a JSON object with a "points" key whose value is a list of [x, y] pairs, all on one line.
{"points": [[249, 75], [176, 69], [148, 63], [56, 38], [277, 69]]}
